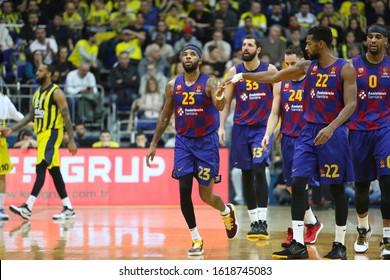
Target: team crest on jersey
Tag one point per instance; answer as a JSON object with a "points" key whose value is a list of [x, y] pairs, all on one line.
{"points": [[332, 71], [322, 172], [361, 72], [198, 89], [179, 89], [286, 87], [286, 107], [244, 96], [384, 72], [180, 111], [382, 163], [362, 95]]}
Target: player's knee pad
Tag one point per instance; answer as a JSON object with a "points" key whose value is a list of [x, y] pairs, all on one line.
{"points": [[337, 190], [298, 186], [362, 188], [362, 197], [259, 169]]}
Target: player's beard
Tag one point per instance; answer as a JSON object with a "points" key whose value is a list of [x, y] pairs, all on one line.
{"points": [[191, 68], [313, 56], [40, 80], [249, 57]]}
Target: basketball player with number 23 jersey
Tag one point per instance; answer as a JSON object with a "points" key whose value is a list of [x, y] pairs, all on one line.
{"points": [[196, 99]]}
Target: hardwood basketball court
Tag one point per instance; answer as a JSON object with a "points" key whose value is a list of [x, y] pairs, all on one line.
{"points": [[160, 233]]}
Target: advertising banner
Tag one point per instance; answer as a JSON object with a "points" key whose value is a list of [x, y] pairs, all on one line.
{"points": [[106, 177]]}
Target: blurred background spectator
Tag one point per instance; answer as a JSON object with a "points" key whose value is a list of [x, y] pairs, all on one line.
{"points": [[125, 81], [147, 108], [25, 140], [105, 140], [141, 141]]}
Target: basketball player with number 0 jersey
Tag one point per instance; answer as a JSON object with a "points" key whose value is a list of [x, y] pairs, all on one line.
{"points": [[370, 133]]}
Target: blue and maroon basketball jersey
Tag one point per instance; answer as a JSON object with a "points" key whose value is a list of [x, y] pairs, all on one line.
{"points": [[325, 92], [293, 105], [253, 100], [195, 113], [373, 98]]}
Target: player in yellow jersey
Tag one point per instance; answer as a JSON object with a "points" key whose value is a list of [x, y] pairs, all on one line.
{"points": [[7, 111], [50, 112]]}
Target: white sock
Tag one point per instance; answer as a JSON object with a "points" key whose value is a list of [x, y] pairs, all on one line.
{"points": [[340, 234], [309, 218], [386, 232], [2, 198], [363, 222], [298, 229], [66, 202], [262, 213], [30, 201], [65, 234], [195, 234], [253, 215], [225, 211]]}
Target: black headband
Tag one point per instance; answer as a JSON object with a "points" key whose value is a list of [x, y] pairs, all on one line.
{"points": [[194, 48], [376, 28]]}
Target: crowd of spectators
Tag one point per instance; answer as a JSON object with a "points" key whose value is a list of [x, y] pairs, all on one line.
{"points": [[130, 48]]}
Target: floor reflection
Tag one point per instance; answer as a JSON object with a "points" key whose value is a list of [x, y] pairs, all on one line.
{"points": [[159, 233]]}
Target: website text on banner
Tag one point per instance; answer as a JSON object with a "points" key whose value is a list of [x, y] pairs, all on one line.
{"points": [[106, 177]]}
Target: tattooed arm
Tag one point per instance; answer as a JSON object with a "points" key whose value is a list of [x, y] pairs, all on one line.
{"points": [[60, 99], [215, 91]]}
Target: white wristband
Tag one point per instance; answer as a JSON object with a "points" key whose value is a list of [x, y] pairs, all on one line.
{"points": [[236, 78], [219, 98]]}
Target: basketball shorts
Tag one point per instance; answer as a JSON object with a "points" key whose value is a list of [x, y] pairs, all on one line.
{"points": [[330, 163], [5, 161], [49, 142], [197, 156], [370, 153], [288, 148], [246, 146]]}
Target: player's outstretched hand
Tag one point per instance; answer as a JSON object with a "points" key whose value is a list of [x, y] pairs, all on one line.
{"points": [[234, 79]]}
